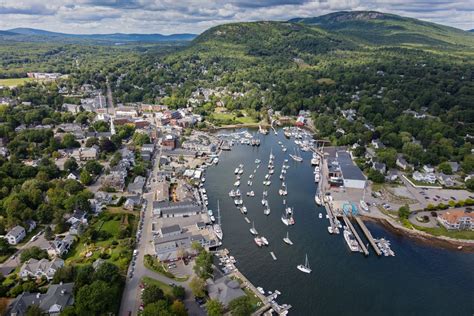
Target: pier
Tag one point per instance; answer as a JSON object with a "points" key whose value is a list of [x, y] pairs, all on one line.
{"points": [[273, 255], [368, 235], [354, 232]]}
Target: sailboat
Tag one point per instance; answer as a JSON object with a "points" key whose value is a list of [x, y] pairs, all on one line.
{"points": [[287, 239], [217, 227], [266, 211], [304, 268], [253, 231], [296, 157]]}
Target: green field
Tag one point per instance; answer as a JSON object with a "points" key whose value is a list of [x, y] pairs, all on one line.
{"points": [[441, 231], [232, 118], [14, 82], [166, 288]]}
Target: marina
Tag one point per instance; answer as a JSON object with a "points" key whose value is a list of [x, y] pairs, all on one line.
{"points": [[332, 268]]}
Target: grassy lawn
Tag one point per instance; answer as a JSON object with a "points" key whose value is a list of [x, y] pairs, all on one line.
{"points": [[442, 231], [254, 300], [166, 288], [106, 239], [231, 118], [13, 82], [158, 267]]}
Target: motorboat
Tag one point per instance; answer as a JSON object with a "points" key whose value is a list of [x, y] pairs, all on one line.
{"points": [[243, 209], [213, 219], [317, 199], [236, 171], [264, 240], [304, 267], [320, 215], [330, 230], [266, 211], [258, 241], [364, 205], [351, 242], [237, 183]]}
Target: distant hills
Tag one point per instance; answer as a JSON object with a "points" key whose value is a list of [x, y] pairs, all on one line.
{"points": [[29, 34]]}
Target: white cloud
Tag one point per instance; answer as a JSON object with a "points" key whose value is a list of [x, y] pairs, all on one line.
{"points": [[194, 16]]}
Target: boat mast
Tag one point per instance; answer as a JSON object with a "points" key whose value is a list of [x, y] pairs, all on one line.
{"points": [[218, 214]]}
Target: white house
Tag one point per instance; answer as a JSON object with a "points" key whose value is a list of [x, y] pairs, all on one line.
{"points": [[40, 268], [428, 169], [15, 235]]}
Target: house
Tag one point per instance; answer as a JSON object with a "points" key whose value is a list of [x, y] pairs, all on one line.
{"points": [[445, 180], [77, 229], [136, 187], [428, 169], [454, 166], [37, 269], [300, 121], [177, 209], [352, 176], [58, 297], [377, 144], [380, 167], [169, 142], [59, 247], [15, 235], [424, 177], [148, 147], [131, 202], [30, 225], [224, 290], [84, 154], [457, 219], [115, 180], [172, 230], [126, 111], [74, 175], [402, 163]]}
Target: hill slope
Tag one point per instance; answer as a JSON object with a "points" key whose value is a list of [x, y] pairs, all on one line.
{"points": [[372, 27]]}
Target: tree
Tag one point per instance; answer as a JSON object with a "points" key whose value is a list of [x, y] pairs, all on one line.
{"points": [[92, 141], [97, 298], [203, 265], [34, 310], [241, 306], [198, 286], [404, 212], [178, 308], [93, 167], [470, 184], [106, 145], [5, 247], [64, 274], [70, 164], [139, 139], [85, 177], [157, 308], [33, 253], [107, 272], [445, 168], [178, 292], [48, 233], [69, 141], [214, 308], [376, 176], [151, 294]]}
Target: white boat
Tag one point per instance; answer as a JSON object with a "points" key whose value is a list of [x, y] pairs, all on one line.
{"points": [[264, 202], [241, 171], [257, 161], [317, 199], [236, 171], [271, 171], [237, 183], [284, 149], [238, 202], [320, 215], [364, 205], [265, 193], [296, 158], [314, 161], [251, 176], [260, 289], [253, 231], [351, 242], [217, 227], [232, 193], [265, 241], [213, 219], [287, 239], [288, 210], [243, 209], [317, 178], [304, 268], [258, 241], [210, 212], [330, 230], [266, 211]]}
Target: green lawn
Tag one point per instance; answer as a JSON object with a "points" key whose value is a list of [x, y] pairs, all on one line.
{"points": [[166, 288], [254, 300], [114, 249], [441, 231], [231, 118], [13, 82]]}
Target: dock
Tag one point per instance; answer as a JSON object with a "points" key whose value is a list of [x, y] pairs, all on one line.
{"points": [[368, 235], [354, 232], [247, 220], [273, 255]]}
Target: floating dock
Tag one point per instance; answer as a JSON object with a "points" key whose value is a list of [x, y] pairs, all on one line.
{"points": [[368, 235], [354, 232], [273, 255]]}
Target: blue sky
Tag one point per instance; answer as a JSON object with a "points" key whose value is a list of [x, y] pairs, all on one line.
{"points": [[195, 16]]}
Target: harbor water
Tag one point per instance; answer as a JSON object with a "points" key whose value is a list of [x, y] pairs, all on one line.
{"points": [[419, 280]]}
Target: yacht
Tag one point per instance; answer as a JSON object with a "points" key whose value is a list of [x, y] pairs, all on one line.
{"points": [[237, 192], [213, 219], [265, 241], [237, 183], [320, 215], [266, 211], [243, 209], [251, 176], [238, 202], [364, 205], [287, 239], [232, 193], [236, 171], [257, 161], [304, 268], [317, 199], [330, 230], [314, 161], [296, 158], [258, 241], [283, 190], [271, 171], [217, 227], [253, 231], [210, 212], [351, 242]]}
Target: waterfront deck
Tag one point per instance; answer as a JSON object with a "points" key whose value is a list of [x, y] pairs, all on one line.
{"points": [[368, 235], [356, 235]]}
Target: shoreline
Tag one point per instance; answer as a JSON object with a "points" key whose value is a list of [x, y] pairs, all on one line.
{"points": [[423, 237]]}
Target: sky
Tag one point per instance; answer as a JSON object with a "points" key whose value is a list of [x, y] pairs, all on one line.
{"points": [[195, 16]]}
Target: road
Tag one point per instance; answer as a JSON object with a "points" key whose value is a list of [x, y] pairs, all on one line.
{"points": [[11, 263], [131, 293]]}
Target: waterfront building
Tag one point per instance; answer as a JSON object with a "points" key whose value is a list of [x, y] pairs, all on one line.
{"points": [[457, 219]]}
